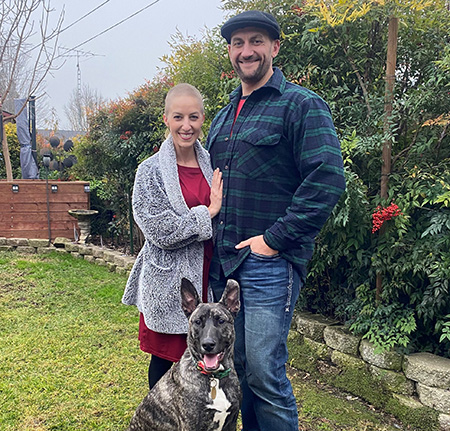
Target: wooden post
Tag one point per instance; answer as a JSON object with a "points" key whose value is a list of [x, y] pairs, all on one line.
{"points": [[388, 101], [391, 61]]}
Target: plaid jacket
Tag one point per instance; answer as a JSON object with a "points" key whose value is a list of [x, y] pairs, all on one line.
{"points": [[282, 172]]}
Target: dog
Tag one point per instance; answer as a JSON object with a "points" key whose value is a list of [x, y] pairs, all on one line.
{"points": [[201, 392]]}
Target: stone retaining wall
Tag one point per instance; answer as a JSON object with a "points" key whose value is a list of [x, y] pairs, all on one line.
{"points": [[420, 382], [114, 260]]}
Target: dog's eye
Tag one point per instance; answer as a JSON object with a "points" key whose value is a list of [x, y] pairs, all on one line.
{"points": [[197, 322], [221, 321]]}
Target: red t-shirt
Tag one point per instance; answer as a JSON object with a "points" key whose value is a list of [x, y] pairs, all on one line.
{"points": [[196, 191]]}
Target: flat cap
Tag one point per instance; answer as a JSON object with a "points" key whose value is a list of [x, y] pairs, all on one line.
{"points": [[251, 18]]}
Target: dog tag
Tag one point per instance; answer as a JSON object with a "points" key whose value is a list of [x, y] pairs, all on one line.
{"points": [[213, 389]]}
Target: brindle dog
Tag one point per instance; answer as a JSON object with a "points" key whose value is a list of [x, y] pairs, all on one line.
{"points": [[201, 392]]}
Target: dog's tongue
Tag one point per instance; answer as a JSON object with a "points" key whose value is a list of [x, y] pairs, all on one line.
{"points": [[211, 361]]}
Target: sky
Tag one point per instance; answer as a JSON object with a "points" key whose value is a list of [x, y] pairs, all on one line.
{"points": [[127, 55]]}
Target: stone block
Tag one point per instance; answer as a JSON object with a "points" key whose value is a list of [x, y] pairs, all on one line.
{"points": [[60, 242], [2, 240], [98, 252], [340, 338], [7, 248], [89, 258], [109, 256], [122, 270], [120, 260], [438, 399], [302, 354], [46, 250], [312, 325], [294, 336], [72, 247], [444, 422], [124, 261], [25, 249], [428, 369], [17, 241], [130, 263], [100, 262], [319, 350], [36, 242], [392, 380], [85, 250], [58, 250], [76, 254], [111, 266], [407, 401], [346, 361], [389, 360]]}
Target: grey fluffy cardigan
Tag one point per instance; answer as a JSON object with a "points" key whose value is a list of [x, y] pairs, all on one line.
{"points": [[174, 236]]}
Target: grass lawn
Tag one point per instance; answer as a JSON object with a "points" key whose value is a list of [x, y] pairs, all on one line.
{"points": [[70, 358]]}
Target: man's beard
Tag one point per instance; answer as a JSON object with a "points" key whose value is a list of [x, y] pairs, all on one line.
{"points": [[256, 75]]}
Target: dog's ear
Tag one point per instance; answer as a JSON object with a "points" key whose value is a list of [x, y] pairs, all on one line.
{"points": [[189, 297], [230, 297]]}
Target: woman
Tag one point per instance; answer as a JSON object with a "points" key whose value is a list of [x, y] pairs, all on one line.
{"points": [[176, 195]]}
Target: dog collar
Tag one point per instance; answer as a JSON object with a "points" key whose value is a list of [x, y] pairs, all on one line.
{"points": [[216, 374]]}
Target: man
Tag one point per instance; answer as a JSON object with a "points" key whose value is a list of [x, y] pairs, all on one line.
{"points": [[282, 175]]}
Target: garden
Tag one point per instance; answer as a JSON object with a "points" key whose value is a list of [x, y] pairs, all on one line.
{"points": [[71, 358], [382, 261]]}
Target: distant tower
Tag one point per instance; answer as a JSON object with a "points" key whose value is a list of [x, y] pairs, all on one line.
{"points": [[78, 108], [79, 101]]}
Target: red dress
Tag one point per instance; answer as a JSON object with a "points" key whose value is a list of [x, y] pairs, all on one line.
{"points": [[196, 191]]}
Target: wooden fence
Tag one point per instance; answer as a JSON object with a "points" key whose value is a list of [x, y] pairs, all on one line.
{"points": [[28, 209]]}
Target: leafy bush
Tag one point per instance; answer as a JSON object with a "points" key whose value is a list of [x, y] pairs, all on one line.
{"points": [[391, 285], [121, 135]]}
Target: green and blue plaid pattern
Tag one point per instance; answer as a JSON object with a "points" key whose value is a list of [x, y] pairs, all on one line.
{"points": [[282, 172]]}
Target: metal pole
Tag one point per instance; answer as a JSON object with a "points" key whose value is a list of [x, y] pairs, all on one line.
{"points": [[48, 212], [1, 124], [32, 115], [46, 162]]}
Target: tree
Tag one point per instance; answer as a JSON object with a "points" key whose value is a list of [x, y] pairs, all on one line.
{"points": [[201, 63], [26, 56], [339, 50], [343, 59], [82, 103], [122, 133], [14, 148]]}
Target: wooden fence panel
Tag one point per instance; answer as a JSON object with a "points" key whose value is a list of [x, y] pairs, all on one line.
{"points": [[24, 214]]}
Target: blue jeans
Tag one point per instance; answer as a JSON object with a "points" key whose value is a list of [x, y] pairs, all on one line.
{"points": [[269, 289]]}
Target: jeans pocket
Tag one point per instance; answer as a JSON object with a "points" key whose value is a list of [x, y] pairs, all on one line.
{"points": [[264, 256]]}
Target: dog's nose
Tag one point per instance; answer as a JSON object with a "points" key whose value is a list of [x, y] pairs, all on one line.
{"points": [[208, 344]]}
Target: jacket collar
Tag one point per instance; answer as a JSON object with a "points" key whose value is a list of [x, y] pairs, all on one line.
{"points": [[169, 172], [276, 82]]}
